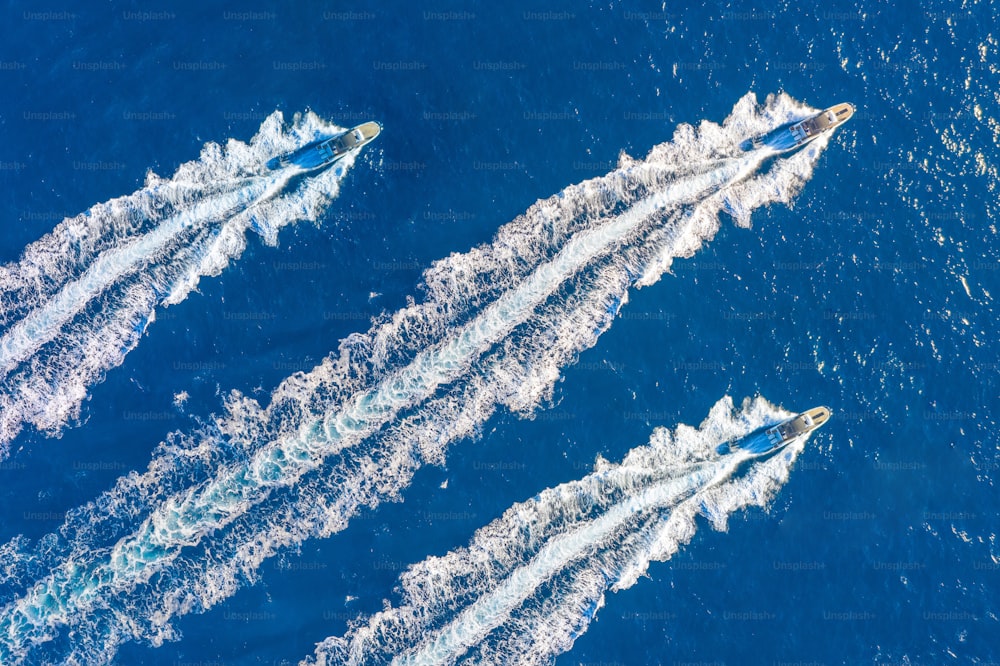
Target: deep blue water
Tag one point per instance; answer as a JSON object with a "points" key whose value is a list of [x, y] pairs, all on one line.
{"points": [[873, 294]]}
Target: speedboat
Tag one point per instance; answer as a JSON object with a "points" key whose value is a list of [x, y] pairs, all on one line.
{"points": [[772, 438], [324, 152], [796, 135], [810, 128]]}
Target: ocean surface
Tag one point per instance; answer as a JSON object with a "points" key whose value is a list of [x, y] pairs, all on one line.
{"points": [[459, 397]]}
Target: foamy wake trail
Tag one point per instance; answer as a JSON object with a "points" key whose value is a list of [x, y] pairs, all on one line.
{"points": [[531, 581], [496, 327], [81, 297]]}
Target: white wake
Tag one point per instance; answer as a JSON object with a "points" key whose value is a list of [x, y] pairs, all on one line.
{"points": [[81, 297], [531, 581]]}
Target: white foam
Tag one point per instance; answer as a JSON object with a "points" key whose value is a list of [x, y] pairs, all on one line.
{"points": [[531, 581], [81, 297], [497, 325]]}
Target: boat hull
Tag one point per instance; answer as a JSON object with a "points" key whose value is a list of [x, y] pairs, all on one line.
{"points": [[770, 439], [796, 135], [811, 128], [324, 152]]}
